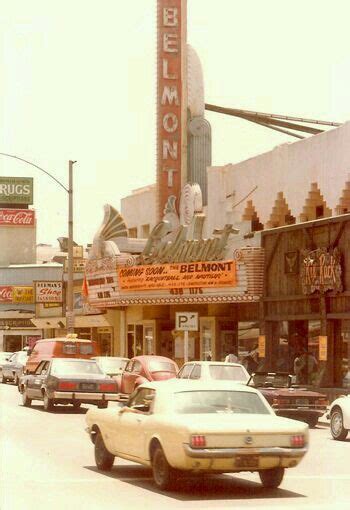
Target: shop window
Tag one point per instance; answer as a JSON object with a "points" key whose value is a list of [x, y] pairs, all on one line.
{"points": [[149, 339], [248, 342], [319, 211], [207, 339]]}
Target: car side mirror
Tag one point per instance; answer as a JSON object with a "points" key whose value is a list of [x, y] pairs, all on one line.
{"points": [[29, 352]]}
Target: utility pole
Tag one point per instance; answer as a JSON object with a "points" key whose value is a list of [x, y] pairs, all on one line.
{"points": [[70, 284]]}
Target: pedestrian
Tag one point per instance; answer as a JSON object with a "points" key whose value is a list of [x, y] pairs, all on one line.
{"points": [[231, 358], [299, 366]]}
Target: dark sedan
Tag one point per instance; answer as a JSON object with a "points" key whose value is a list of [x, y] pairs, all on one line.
{"points": [[68, 381], [12, 370], [288, 400]]}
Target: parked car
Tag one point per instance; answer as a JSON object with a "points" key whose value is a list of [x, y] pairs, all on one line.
{"points": [[12, 370], [179, 427], [4, 357], [68, 381], [289, 400], [215, 370], [339, 413], [141, 369], [67, 347], [111, 365]]}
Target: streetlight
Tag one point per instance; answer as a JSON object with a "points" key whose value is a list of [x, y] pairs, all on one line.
{"points": [[69, 190]]}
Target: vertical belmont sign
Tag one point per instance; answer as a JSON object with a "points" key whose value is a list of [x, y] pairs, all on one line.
{"points": [[171, 100]]}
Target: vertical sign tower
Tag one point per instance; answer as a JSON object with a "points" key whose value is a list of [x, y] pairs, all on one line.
{"points": [[171, 100]]}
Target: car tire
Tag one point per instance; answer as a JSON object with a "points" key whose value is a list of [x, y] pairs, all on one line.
{"points": [[16, 380], [103, 458], [163, 474], [25, 399], [48, 403], [271, 478], [3, 379], [338, 431], [76, 405], [102, 405]]}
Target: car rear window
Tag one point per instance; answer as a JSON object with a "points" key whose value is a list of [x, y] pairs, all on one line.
{"points": [[85, 348], [219, 402], [69, 348], [227, 373], [161, 366], [73, 367]]}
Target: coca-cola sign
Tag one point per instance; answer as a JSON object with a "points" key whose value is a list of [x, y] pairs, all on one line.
{"points": [[6, 293], [17, 218], [48, 292]]}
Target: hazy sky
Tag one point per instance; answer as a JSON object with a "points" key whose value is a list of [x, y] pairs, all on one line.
{"points": [[78, 82]]}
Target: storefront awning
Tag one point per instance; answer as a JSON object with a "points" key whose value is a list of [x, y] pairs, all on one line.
{"points": [[81, 321]]}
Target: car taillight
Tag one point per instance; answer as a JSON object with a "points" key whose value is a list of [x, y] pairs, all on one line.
{"points": [[297, 441], [198, 441], [67, 386], [322, 402], [108, 387]]}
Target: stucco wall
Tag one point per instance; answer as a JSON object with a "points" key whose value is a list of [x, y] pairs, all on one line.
{"points": [[18, 245], [139, 208], [292, 167]]}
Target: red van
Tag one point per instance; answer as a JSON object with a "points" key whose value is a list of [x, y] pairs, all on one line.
{"points": [[66, 347]]}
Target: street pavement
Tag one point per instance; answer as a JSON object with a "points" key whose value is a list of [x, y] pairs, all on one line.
{"points": [[47, 462]]}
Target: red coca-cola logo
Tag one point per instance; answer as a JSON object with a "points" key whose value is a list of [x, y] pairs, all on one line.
{"points": [[21, 217], [6, 293]]}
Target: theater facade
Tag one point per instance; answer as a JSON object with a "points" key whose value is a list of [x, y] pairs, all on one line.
{"points": [[176, 269]]}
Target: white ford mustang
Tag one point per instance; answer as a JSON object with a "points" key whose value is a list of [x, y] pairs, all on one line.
{"points": [[339, 414], [195, 426]]}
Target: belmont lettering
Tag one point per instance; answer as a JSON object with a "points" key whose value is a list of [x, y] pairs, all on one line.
{"points": [[206, 267], [183, 249]]}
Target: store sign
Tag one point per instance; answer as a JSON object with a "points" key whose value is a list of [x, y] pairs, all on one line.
{"points": [[186, 321], [78, 265], [101, 280], [16, 323], [23, 295], [6, 293], [159, 249], [321, 271], [48, 292], [16, 190], [171, 276], [171, 21], [17, 218], [322, 348], [262, 346]]}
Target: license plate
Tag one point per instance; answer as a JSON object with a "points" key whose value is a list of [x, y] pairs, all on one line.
{"points": [[88, 386], [302, 402], [247, 461]]}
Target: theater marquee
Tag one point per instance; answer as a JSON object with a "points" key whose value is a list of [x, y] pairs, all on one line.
{"points": [[178, 276]]}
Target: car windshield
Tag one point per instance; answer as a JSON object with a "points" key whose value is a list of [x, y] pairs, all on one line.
{"points": [[161, 366], [272, 380], [112, 364], [227, 372], [73, 367], [219, 402], [5, 355]]}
